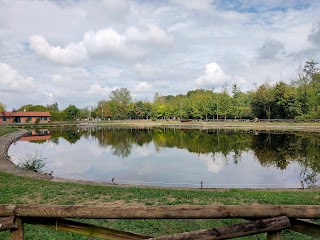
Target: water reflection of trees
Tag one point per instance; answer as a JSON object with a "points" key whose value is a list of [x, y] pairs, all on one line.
{"points": [[277, 150], [122, 140], [281, 149]]}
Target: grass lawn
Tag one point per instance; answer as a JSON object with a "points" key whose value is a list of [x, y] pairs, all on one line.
{"points": [[5, 130], [22, 190]]}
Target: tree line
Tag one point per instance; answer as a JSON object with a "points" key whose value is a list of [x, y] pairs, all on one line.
{"points": [[299, 99]]}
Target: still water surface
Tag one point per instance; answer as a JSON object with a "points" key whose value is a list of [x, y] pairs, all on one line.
{"points": [[176, 157]]}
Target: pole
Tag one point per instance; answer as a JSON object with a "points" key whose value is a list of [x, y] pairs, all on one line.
{"points": [[180, 109], [102, 109]]}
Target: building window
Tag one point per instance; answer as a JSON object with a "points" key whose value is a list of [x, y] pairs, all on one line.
{"points": [[4, 119], [29, 119], [45, 118]]}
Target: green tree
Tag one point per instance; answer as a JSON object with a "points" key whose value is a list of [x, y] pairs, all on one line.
{"points": [[53, 107], [121, 96], [315, 96], [236, 104], [71, 113], [2, 107], [104, 109], [84, 113], [304, 87], [262, 101], [120, 99], [225, 102], [286, 103], [33, 108]]}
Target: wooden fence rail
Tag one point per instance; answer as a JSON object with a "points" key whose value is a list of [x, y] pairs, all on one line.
{"points": [[162, 212], [265, 218]]}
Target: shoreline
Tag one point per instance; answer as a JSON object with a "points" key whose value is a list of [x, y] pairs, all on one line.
{"points": [[201, 125], [7, 166]]}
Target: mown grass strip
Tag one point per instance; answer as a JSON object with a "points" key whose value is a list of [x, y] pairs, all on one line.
{"points": [[5, 130], [23, 190]]}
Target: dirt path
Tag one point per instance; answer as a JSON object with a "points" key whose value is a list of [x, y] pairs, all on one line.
{"points": [[9, 167]]}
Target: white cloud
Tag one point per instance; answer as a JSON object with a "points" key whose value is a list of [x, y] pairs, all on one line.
{"points": [[145, 70], [215, 164], [131, 44], [96, 89], [143, 87], [213, 76], [194, 4], [73, 53], [48, 95], [11, 81], [153, 36], [104, 72], [271, 49], [105, 41], [314, 36], [70, 74], [240, 80]]}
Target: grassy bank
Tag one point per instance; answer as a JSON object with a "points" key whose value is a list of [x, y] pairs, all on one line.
{"points": [[291, 126], [21, 190], [5, 130]]}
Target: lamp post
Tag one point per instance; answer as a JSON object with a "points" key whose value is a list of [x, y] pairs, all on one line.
{"points": [[102, 109]]}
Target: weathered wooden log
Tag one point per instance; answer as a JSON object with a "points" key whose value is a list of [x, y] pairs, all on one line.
{"points": [[84, 229], [169, 212], [7, 223], [233, 231], [17, 234], [308, 228], [6, 210]]}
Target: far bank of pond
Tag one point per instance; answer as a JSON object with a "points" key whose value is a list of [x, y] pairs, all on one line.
{"points": [[194, 124], [175, 157]]}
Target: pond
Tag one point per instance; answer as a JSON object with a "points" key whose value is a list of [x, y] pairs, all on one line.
{"points": [[173, 157]]}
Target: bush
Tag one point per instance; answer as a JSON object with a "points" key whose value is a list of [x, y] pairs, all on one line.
{"points": [[312, 115], [34, 162]]}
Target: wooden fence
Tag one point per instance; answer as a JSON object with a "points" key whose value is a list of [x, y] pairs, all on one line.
{"points": [[271, 219]]}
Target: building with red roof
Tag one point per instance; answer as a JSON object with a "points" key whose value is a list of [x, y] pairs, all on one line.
{"points": [[24, 117]]}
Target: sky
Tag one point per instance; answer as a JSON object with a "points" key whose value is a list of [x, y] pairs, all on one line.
{"points": [[77, 52]]}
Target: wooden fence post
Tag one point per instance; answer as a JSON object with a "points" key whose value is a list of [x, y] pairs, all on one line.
{"points": [[7, 223], [17, 234], [274, 235]]}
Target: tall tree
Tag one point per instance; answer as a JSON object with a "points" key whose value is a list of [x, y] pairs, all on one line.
{"points": [[286, 103], [33, 108], [2, 107], [224, 101], [236, 108], [262, 101], [305, 77], [71, 113], [53, 107], [120, 99], [121, 96], [104, 109]]}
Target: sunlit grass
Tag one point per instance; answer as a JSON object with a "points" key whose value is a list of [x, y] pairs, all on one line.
{"points": [[22, 190], [5, 130]]}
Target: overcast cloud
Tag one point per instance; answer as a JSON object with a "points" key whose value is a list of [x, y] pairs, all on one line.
{"points": [[77, 52]]}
